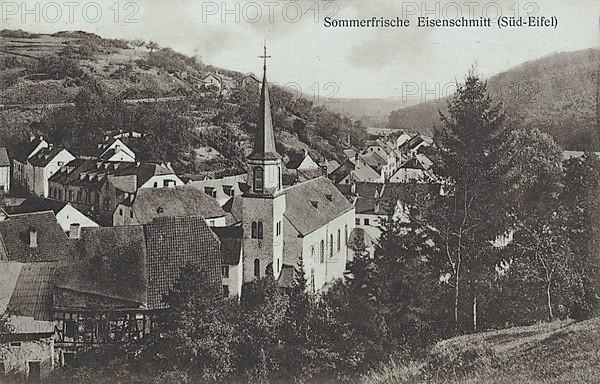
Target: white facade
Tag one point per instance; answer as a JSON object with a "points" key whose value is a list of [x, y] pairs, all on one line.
{"points": [[69, 215], [4, 180], [161, 181], [233, 278], [42, 174]]}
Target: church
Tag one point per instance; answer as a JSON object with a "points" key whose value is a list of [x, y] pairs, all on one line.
{"points": [[281, 224]]}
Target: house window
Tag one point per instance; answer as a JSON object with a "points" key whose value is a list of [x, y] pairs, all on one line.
{"points": [[120, 212], [131, 214], [339, 240], [15, 344], [155, 184], [257, 268], [322, 252], [60, 194], [367, 222], [278, 266], [226, 291], [225, 271], [79, 196], [106, 204], [70, 196], [259, 179], [357, 221], [312, 253]]}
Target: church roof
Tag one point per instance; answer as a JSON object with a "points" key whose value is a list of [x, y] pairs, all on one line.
{"points": [[4, 161], [264, 139], [314, 203]]}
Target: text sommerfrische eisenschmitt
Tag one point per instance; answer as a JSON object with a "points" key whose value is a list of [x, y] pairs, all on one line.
{"points": [[423, 21]]}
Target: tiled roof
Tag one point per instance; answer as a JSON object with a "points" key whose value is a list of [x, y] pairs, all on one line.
{"points": [[151, 203], [9, 273], [314, 203], [4, 161], [173, 242], [32, 295], [110, 262], [52, 242]]}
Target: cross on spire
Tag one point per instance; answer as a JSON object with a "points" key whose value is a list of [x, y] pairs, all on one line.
{"points": [[265, 57]]}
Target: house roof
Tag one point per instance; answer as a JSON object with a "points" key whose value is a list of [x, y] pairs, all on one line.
{"points": [[231, 243], [45, 155], [38, 204], [109, 262], [150, 203], [139, 264], [24, 149], [234, 207], [32, 295], [314, 203], [332, 165], [4, 161], [52, 243], [9, 273], [375, 160], [171, 243]]}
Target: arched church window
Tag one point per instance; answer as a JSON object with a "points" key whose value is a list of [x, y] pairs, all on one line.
{"points": [[330, 245], [346, 233], [259, 179], [257, 268], [339, 240], [322, 252], [259, 233], [254, 230]]}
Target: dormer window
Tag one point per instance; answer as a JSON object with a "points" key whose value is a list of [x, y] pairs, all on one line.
{"points": [[259, 179]]}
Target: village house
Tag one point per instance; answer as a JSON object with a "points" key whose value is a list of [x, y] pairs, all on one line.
{"points": [[222, 189], [301, 167], [67, 216], [415, 169], [148, 204], [355, 169], [113, 287], [35, 162], [27, 348], [4, 171], [115, 150], [97, 187], [232, 267], [250, 81]]}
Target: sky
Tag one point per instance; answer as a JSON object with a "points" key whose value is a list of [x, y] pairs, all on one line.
{"points": [[328, 62]]}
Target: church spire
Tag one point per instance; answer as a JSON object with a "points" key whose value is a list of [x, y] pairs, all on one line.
{"points": [[264, 140]]}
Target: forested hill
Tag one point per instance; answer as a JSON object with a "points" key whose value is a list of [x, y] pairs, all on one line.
{"points": [[556, 93], [76, 88]]}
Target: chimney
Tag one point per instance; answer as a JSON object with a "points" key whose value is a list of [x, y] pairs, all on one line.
{"points": [[74, 231], [357, 160], [353, 188], [31, 138], [33, 243]]}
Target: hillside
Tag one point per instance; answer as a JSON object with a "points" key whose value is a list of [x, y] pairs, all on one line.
{"points": [[556, 93], [548, 353], [48, 82]]}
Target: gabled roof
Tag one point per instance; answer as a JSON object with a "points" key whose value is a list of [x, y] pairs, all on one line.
{"points": [[52, 243], [4, 161], [45, 155], [314, 203], [32, 295], [150, 203], [234, 207], [24, 149]]}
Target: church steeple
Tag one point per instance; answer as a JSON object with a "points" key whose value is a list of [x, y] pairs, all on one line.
{"points": [[264, 140]]}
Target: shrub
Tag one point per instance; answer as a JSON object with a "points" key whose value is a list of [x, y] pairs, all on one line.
{"points": [[459, 358]]}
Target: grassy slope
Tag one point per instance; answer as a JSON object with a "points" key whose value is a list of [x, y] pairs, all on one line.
{"points": [[559, 352]]}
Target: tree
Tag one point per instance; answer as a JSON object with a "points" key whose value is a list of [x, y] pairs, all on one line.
{"points": [[580, 198], [463, 159], [529, 170], [196, 334]]}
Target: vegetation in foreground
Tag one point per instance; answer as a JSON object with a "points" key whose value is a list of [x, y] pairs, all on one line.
{"points": [[548, 353]]}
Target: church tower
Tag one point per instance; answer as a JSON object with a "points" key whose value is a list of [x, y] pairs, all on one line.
{"points": [[264, 204]]}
